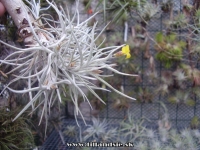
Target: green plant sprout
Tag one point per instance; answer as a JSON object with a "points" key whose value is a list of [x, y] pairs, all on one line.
{"points": [[67, 55], [169, 49], [182, 97]]}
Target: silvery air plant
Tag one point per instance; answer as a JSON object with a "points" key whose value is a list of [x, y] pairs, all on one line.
{"points": [[64, 54]]}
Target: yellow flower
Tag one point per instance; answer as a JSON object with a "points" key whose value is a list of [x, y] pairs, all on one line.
{"points": [[126, 51]]}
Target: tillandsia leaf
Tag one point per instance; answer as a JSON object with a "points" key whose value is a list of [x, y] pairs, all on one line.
{"points": [[148, 11], [63, 55], [97, 129], [180, 75], [35, 8]]}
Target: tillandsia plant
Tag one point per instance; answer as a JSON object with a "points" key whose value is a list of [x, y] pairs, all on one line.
{"points": [[70, 131], [166, 5], [182, 97], [132, 129], [192, 74], [60, 52], [144, 95], [148, 11], [179, 21], [179, 78], [169, 48], [96, 130]]}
